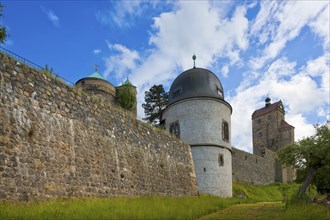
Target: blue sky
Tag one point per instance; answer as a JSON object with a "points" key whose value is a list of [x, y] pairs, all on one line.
{"points": [[279, 48]]}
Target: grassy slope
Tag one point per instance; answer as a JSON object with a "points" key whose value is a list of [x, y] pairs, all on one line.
{"points": [[143, 207], [261, 210], [271, 210]]}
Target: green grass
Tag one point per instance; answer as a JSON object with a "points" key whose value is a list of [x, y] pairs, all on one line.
{"points": [[263, 210], [268, 193], [311, 211], [118, 208], [147, 207], [271, 210]]}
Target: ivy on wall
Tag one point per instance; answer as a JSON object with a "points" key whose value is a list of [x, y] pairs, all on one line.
{"points": [[126, 97]]}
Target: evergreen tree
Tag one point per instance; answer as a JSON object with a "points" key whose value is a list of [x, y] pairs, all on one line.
{"points": [[126, 97], [155, 102], [3, 33], [311, 156]]}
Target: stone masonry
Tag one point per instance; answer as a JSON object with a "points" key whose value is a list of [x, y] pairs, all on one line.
{"points": [[58, 142], [253, 169]]}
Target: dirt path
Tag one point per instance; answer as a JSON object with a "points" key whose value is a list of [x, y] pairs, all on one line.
{"points": [[261, 210]]}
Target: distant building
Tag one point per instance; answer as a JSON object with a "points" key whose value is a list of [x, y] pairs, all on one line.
{"points": [[98, 86], [271, 131]]}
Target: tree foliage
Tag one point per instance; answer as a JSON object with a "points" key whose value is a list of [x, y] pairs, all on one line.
{"points": [[155, 102], [311, 157], [3, 33], [126, 97]]}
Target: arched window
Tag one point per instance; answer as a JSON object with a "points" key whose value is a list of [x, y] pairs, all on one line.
{"points": [[175, 128], [221, 160], [225, 131]]}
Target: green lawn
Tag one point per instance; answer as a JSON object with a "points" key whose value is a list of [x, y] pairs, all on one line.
{"points": [[169, 207], [255, 211], [271, 210], [118, 208]]}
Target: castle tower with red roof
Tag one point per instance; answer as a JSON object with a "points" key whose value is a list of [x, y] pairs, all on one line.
{"points": [[271, 131]]}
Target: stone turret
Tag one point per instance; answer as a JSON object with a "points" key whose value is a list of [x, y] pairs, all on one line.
{"points": [[198, 114], [96, 85]]}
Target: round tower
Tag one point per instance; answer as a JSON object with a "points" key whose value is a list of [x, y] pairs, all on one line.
{"points": [[96, 85], [198, 113]]}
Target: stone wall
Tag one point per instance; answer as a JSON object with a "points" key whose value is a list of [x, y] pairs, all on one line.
{"points": [[56, 141], [253, 169]]}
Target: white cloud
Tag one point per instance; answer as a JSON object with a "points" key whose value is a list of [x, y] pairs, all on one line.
{"points": [[121, 14], [224, 71], [183, 32], [97, 51], [121, 62], [319, 69], [321, 26], [303, 128], [124, 14], [193, 27], [279, 22], [52, 17]]}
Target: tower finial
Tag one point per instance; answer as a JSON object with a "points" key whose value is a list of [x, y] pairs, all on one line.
{"points": [[96, 67], [267, 101], [194, 58]]}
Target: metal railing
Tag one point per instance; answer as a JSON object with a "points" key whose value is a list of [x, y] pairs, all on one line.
{"points": [[33, 65]]}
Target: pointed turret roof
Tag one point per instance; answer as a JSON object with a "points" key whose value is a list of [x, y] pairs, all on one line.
{"points": [[127, 83]]}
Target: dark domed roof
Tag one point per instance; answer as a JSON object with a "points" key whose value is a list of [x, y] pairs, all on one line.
{"points": [[196, 82]]}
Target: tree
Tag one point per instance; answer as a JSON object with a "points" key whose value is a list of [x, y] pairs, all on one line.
{"points": [[155, 102], [3, 33], [126, 97], [311, 156]]}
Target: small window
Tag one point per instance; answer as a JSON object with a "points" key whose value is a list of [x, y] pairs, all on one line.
{"points": [[176, 93], [256, 160], [245, 157], [175, 128], [263, 152], [260, 134], [270, 117], [220, 92], [204, 169], [221, 160], [225, 131], [258, 121]]}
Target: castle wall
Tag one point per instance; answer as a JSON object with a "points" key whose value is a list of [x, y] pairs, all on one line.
{"points": [[253, 169], [56, 141]]}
